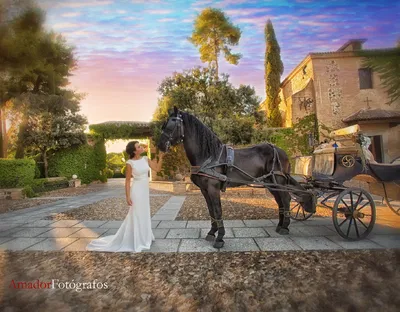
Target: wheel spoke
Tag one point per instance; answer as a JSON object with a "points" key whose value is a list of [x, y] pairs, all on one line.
{"points": [[345, 204], [362, 223], [358, 201], [352, 202], [343, 221], [355, 225], [348, 229], [363, 206], [294, 207]]}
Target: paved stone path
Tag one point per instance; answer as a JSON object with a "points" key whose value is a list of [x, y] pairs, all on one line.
{"points": [[25, 230]]}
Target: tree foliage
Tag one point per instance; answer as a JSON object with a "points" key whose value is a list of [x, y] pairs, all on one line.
{"points": [[273, 71], [230, 112], [53, 123], [213, 33], [33, 61]]}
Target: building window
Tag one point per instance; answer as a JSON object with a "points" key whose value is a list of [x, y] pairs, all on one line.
{"points": [[376, 148], [365, 77]]}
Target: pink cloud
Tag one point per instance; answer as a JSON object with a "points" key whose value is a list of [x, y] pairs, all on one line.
{"points": [[66, 4], [164, 20], [71, 14], [158, 12]]}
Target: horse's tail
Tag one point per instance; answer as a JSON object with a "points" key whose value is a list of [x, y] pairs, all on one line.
{"points": [[306, 199]]}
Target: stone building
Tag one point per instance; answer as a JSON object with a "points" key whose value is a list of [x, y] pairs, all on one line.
{"points": [[340, 92]]}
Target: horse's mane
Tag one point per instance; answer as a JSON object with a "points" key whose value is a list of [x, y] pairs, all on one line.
{"points": [[210, 144]]}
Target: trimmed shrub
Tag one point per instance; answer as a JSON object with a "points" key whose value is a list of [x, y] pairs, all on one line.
{"points": [[16, 172], [86, 161]]}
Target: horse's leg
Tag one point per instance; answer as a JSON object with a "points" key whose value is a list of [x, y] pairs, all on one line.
{"points": [[283, 200], [281, 212], [215, 197], [214, 228]]}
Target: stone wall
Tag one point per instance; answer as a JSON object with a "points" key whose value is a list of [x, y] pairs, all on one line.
{"points": [[297, 88], [338, 93]]}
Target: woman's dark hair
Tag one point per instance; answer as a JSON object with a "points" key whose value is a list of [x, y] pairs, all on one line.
{"points": [[131, 149]]}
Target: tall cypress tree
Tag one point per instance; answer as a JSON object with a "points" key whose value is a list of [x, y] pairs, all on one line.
{"points": [[273, 71]]}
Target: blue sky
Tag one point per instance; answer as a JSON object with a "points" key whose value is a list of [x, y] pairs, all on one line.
{"points": [[126, 47]]}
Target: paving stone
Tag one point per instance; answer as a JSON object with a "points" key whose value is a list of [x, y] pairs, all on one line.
{"points": [[196, 245], [64, 223], [20, 243], [162, 217], [109, 232], [9, 232], [30, 232], [5, 239], [59, 232], [315, 243], [89, 232], [79, 245], [164, 245], [111, 225], [233, 223], [240, 244], [228, 233], [39, 223], [90, 223], [52, 244], [386, 230], [183, 233], [258, 223], [361, 244], [276, 243], [293, 231], [6, 227], [154, 224], [160, 233], [172, 225], [198, 224], [249, 232], [387, 241], [314, 230]]}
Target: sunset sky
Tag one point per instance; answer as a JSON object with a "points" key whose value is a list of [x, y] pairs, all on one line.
{"points": [[126, 47]]}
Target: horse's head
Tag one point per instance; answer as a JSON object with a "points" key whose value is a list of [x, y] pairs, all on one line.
{"points": [[172, 131]]}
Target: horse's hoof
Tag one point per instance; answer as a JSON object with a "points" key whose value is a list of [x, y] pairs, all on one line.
{"points": [[283, 231], [219, 244], [210, 238], [278, 228]]}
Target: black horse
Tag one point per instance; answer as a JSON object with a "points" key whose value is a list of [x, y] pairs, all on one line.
{"points": [[262, 163]]}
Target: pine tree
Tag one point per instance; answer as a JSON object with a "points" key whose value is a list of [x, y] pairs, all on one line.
{"points": [[213, 33], [273, 71]]}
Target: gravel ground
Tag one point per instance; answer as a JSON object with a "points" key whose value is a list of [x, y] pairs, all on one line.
{"points": [[257, 281], [114, 208], [237, 205]]}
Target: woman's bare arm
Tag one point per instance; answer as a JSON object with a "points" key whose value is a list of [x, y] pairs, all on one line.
{"points": [[152, 164], [128, 176]]}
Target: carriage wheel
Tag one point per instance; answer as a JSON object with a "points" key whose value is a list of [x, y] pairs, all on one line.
{"points": [[354, 214], [393, 204], [297, 211]]}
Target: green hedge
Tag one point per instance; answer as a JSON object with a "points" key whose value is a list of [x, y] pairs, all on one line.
{"points": [[16, 172], [86, 161], [43, 185]]}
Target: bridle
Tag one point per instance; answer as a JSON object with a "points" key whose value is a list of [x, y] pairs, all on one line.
{"points": [[169, 128]]}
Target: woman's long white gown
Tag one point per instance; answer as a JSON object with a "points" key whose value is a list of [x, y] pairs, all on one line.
{"points": [[135, 233]]}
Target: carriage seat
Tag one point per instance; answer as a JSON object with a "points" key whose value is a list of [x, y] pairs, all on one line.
{"points": [[385, 172]]}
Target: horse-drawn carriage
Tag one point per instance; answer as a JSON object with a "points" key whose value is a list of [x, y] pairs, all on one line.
{"points": [[347, 158], [216, 166]]}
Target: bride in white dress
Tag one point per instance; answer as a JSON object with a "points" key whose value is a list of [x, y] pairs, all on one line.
{"points": [[135, 233]]}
